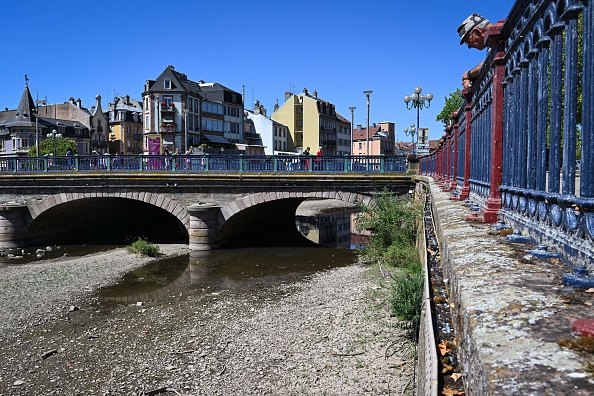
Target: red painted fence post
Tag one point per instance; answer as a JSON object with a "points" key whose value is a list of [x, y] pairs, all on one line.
{"points": [[493, 204]]}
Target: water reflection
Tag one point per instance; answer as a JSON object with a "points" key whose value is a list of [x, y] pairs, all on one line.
{"points": [[237, 269], [245, 269], [332, 229]]}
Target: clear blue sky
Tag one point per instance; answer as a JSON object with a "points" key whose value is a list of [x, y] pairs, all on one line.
{"points": [[73, 48]]}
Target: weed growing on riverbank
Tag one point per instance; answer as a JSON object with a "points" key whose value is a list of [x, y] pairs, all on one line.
{"points": [[144, 248], [393, 222]]}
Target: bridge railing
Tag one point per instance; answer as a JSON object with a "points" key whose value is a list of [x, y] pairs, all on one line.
{"points": [[204, 163], [523, 142]]}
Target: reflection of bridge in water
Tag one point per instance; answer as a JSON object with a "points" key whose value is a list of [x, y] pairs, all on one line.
{"points": [[236, 269]]}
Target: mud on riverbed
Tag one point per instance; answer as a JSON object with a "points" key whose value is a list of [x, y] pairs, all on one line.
{"points": [[329, 334]]}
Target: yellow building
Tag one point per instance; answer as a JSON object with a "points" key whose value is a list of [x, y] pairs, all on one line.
{"points": [[125, 124], [312, 122]]}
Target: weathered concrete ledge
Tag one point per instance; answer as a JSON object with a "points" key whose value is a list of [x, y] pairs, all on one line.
{"points": [[508, 310]]}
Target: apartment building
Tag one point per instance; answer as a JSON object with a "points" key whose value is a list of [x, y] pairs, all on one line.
{"points": [[312, 122]]}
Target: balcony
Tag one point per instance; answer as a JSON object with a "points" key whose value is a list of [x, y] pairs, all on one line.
{"points": [[168, 125], [252, 135], [167, 107]]}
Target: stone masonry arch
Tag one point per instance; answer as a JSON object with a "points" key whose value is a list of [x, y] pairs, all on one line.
{"points": [[208, 221], [158, 200]]}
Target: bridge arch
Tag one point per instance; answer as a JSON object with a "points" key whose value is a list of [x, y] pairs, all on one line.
{"points": [[269, 217], [158, 200], [104, 218]]}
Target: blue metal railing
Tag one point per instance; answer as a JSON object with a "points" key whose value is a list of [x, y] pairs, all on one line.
{"points": [[205, 163], [527, 128]]}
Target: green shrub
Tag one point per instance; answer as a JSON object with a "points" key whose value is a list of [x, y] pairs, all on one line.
{"points": [[143, 247], [392, 222], [407, 295]]}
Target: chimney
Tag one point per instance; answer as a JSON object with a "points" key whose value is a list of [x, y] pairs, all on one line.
{"points": [[359, 126], [79, 103], [275, 107], [71, 100], [305, 92], [315, 94], [127, 99], [288, 95]]}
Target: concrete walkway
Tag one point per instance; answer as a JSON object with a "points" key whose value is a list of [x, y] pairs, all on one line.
{"points": [[509, 310]]}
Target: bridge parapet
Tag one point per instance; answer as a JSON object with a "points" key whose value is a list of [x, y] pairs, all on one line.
{"points": [[208, 209]]}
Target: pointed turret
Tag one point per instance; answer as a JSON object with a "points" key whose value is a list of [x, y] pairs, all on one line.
{"points": [[25, 113]]}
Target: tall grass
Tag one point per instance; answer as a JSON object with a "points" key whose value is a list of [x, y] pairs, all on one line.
{"points": [[393, 224]]}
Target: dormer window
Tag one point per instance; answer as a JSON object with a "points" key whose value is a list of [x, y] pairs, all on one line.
{"points": [[167, 84]]}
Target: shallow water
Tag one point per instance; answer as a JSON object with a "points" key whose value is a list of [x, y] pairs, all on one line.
{"points": [[242, 270]]}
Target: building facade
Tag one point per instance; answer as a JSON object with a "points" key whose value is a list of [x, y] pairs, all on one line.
{"points": [[125, 126], [222, 114], [171, 108], [312, 122], [31, 122], [381, 139], [259, 129]]}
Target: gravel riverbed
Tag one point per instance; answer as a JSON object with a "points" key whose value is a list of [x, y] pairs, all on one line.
{"points": [[328, 334]]}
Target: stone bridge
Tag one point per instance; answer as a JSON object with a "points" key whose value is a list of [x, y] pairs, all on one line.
{"points": [[206, 211]]}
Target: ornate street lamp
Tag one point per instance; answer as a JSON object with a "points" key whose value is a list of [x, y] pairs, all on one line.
{"points": [[54, 135], [418, 101], [352, 109], [411, 132], [367, 93]]}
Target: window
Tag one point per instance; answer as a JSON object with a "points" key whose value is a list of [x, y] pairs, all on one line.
{"points": [[167, 84], [360, 146], [146, 122]]}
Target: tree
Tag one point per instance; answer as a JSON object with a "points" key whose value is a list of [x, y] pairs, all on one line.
{"points": [[46, 146], [452, 104]]}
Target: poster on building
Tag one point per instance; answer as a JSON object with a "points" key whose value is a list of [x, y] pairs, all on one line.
{"points": [[154, 146]]}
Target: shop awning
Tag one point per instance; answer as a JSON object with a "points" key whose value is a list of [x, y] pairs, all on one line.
{"points": [[215, 139]]}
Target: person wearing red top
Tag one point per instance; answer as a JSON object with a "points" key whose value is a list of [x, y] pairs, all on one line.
{"points": [[319, 158]]}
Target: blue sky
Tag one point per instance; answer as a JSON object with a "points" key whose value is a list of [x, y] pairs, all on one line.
{"points": [[72, 48]]}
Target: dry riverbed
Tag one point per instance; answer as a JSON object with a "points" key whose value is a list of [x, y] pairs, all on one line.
{"points": [[329, 334]]}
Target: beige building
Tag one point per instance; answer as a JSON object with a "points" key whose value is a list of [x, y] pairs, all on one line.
{"points": [[312, 122], [381, 139]]}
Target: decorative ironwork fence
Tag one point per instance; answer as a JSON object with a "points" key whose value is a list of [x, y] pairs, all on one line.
{"points": [[205, 163], [528, 125]]}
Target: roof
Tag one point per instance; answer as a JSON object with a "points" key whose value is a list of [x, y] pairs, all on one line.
{"points": [[25, 115], [360, 134], [179, 82]]}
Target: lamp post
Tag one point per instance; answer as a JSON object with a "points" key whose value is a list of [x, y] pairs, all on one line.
{"points": [[418, 101], [367, 93], [411, 132], [352, 109], [185, 145], [54, 135]]}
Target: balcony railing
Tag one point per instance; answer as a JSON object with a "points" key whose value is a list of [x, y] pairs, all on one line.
{"points": [[514, 144], [165, 107]]}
